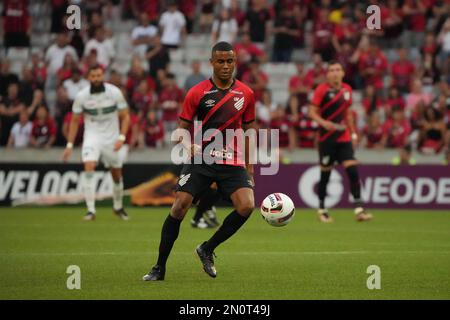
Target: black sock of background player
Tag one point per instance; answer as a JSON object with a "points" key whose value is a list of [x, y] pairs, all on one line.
{"points": [[206, 202], [355, 186], [324, 178], [169, 234], [230, 225]]}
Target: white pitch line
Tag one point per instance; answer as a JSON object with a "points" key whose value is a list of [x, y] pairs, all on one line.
{"points": [[244, 253]]}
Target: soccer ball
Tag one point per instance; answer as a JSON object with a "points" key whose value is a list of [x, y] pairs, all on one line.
{"points": [[277, 209]]}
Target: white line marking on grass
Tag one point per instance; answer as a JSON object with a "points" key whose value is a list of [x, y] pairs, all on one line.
{"points": [[243, 253]]}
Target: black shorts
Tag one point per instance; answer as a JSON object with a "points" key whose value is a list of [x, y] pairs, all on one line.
{"points": [[196, 178], [330, 152]]}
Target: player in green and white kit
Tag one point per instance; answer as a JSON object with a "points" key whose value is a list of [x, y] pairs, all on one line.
{"points": [[103, 106]]}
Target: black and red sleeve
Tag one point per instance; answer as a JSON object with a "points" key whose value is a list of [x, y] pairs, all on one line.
{"points": [[318, 95], [190, 106]]}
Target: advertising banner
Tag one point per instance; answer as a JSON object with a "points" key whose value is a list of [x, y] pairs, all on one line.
{"points": [[383, 186]]}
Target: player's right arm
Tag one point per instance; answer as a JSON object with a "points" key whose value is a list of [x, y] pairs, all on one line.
{"points": [[186, 118], [73, 127], [314, 110]]}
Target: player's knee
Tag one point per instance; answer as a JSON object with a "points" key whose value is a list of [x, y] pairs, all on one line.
{"points": [[180, 208], [246, 208]]}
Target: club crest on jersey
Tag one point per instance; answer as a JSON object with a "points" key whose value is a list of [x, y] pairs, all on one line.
{"points": [[210, 102], [347, 95], [239, 103]]}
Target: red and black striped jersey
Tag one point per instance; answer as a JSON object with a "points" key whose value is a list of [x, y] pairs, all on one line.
{"points": [[333, 105], [219, 110]]}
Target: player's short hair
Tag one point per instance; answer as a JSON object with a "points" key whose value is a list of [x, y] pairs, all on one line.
{"points": [[333, 62], [221, 46], [95, 67]]}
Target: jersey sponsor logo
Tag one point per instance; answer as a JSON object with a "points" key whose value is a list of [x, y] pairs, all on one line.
{"points": [[239, 103], [211, 91], [183, 179], [236, 92], [346, 95]]}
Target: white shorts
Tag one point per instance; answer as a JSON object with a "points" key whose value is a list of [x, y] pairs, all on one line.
{"points": [[94, 151]]}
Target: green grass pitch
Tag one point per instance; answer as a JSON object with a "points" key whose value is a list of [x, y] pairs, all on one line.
{"points": [[304, 260]]}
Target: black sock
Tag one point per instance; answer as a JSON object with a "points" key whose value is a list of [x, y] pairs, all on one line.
{"points": [[355, 185], [230, 225], [206, 202], [324, 178], [169, 234]]}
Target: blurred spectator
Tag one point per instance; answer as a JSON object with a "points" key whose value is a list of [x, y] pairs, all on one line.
{"points": [[187, 7], [43, 133], [28, 86], [371, 101], [430, 45], [402, 71], [404, 157], [392, 23], [55, 55], [96, 21], [65, 72], [173, 26], [195, 77], [305, 128], [6, 77], [286, 30], [224, 28], [415, 97], [206, 15], [38, 70], [103, 46], [317, 74], [264, 109], [373, 131], [394, 101], [258, 20], [152, 131], [143, 35], [428, 73], [16, 24], [62, 105], [344, 32], [58, 8], [10, 107], [348, 58], [143, 98], [65, 128], [256, 79], [75, 83], [115, 78], [396, 130], [170, 99], [246, 51], [237, 13], [432, 133], [414, 13], [300, 85], [132, 137], [372, 66], [89, 61], [136, 75], [323, 31], [158, 57], [281, 123], [20, 132]]}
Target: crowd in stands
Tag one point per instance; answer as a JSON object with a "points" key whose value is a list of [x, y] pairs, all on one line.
{"points": [[405, 97]]}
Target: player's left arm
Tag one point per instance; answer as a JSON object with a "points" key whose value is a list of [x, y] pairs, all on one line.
{"points": [[124, 119]]}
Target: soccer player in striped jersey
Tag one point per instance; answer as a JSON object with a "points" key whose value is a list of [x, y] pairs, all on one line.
{"points": [[330, 108]]}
